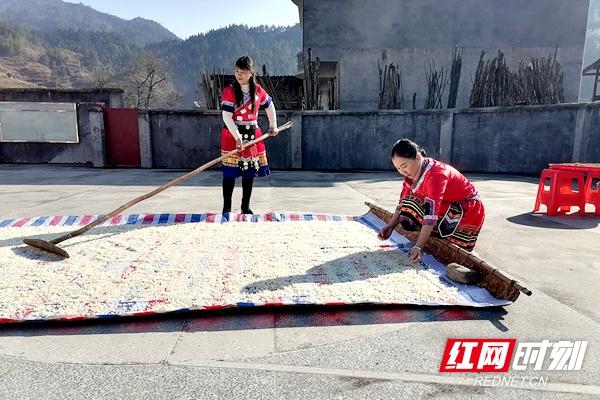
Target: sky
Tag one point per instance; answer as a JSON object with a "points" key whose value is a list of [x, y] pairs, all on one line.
{"points": [[189, 17]]}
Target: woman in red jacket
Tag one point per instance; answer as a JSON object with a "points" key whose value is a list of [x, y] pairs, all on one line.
{"points": [[240, 103], [435, 198]]}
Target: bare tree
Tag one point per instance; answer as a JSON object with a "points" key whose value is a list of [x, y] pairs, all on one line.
{"points": [[102, 76], [147, 85]]}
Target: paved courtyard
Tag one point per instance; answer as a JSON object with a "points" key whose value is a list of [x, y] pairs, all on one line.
{"points": [[357, 353]]}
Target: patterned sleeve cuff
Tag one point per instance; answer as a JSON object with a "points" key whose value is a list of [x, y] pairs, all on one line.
{"points": [[430, 219], [227, 106], [266, 103]]}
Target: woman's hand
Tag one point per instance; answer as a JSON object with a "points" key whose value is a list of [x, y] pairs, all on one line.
{"points": [[416, 253], [238, 143], [273, 131], [385, 232]]}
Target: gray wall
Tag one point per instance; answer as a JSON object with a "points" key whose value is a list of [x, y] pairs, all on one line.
{"points": [[182, 139], [91, 148], [514, 140], [410, 33], [591, 136], [186, 139], [362, 140], [509, 140], [111, 97]]}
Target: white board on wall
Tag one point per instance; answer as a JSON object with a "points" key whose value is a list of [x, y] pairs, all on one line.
{"points": [[38, 122]]}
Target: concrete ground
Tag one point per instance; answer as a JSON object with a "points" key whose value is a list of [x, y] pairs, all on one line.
{"points": [[357, 353]]}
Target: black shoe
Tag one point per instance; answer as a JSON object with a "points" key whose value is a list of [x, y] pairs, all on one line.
{"points": [[247, 211]]}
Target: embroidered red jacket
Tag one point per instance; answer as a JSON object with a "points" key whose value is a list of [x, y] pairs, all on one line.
{"points": [[438, 185], [245, 113]]}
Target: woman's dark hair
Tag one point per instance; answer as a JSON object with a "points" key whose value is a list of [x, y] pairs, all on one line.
{"points": [[247, 64], [406, 148]]}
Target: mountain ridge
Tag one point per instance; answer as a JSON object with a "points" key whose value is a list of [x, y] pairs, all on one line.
{"points": [[51, 15]]}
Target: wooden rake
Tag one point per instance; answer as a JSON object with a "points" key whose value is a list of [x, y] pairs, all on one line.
{"points": [[51, 245]]}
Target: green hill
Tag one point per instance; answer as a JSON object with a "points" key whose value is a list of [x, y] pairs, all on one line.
{"points": [[275, 47], [52, 15], [51, 43]]}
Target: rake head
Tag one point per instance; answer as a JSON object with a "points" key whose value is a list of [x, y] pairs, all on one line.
{"points": [[46, 246]]}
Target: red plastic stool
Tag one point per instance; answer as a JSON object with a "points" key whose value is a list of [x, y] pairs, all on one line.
{"points": [[592, 190], [560, 195]]}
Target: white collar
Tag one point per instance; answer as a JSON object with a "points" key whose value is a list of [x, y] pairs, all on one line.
{"points": [[425, 167]]}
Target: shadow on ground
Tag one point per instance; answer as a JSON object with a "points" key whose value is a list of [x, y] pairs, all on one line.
{"points": [[566, 222], [260, 318]]}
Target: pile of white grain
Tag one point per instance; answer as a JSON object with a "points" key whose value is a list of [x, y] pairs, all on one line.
{"points": [[131, 268]]}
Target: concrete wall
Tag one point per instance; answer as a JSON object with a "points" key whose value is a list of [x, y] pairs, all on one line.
{"points": [[412, 34], [187, 139], [38, 122], [591, 137], [111, 97], [362, 140], [91, 148], [514, 140]]}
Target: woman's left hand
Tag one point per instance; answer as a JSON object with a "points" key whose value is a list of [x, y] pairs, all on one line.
{"points": [[415, 254], [273, 131]]}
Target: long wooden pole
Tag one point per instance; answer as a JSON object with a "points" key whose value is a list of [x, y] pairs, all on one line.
{"points": [[159, 189]]}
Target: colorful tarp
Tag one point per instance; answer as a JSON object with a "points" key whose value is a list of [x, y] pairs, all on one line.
{"points": [[157, 263]]}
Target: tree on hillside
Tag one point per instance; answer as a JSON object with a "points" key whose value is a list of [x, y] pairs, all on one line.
{"points": [[96, 48], [12, 40], [147, 85], [103, 77], [276, 47], [56, 60], [78, 57], [48, 16]]}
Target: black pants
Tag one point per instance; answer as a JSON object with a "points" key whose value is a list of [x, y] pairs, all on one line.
{"points": [[228, 185]]}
